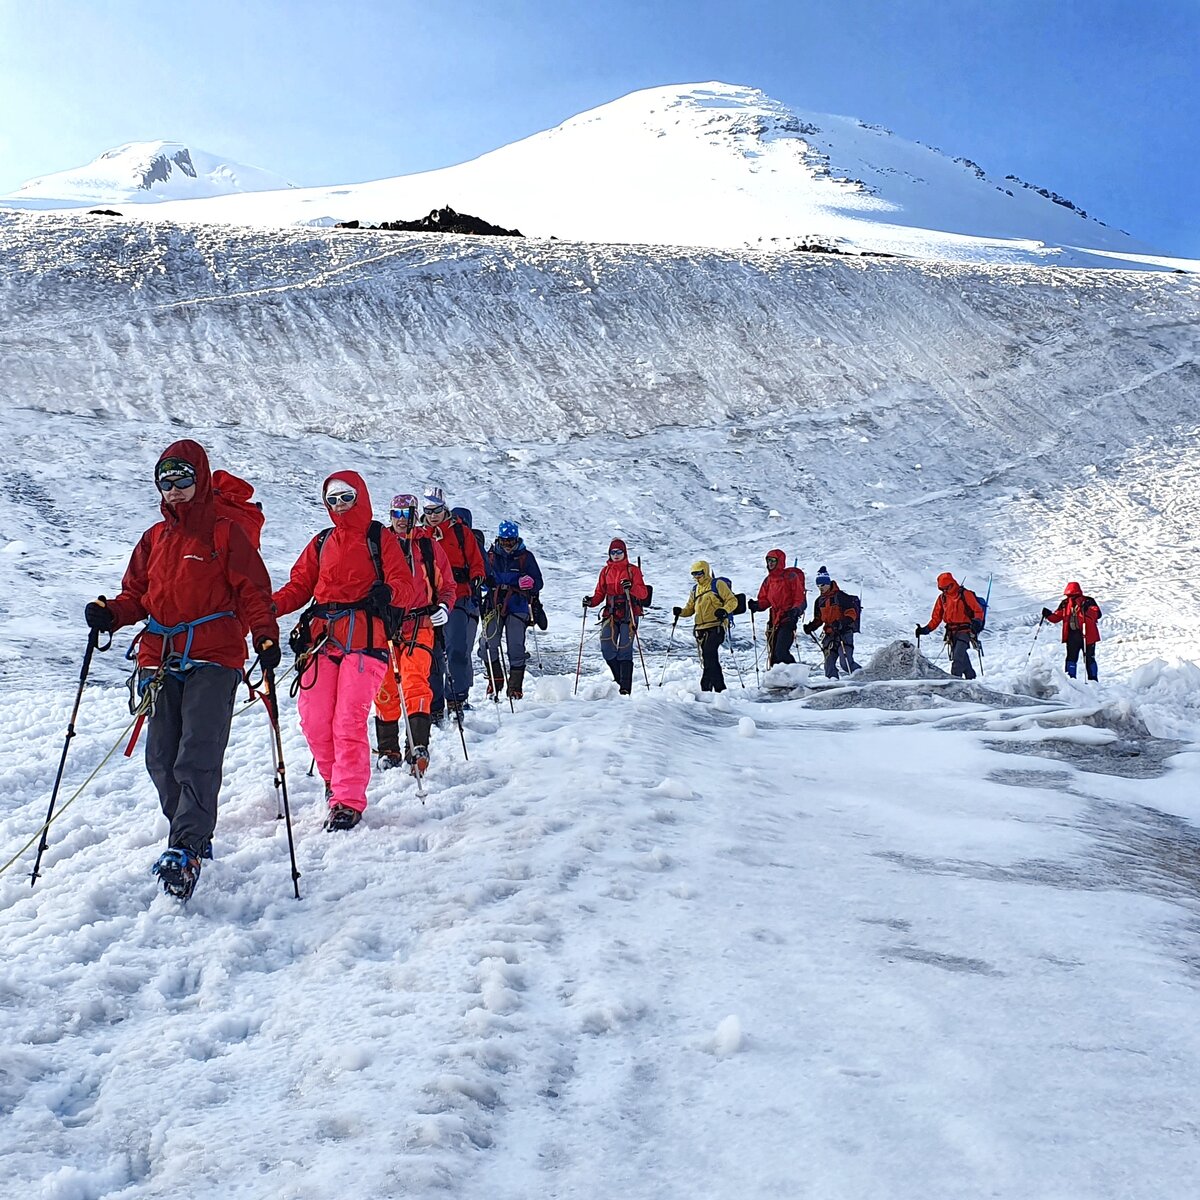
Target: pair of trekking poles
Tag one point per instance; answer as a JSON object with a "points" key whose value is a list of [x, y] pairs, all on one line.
{"points": [[263, 689]]}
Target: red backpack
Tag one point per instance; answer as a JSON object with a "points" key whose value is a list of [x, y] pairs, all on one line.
{"points": [[232, 497]]}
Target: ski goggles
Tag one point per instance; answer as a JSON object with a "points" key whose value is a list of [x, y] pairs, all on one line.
{"points": [[616, 554], [403, 514], [347, 497], [179, 481]]}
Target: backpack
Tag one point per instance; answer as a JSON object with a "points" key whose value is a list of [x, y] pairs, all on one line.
{"points": [[374, 544], [796, 574], [977, 623], [855, 603], [232, 499], [740, 597]]}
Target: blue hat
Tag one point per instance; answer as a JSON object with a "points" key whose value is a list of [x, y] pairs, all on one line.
{"points": [[823, 576], [509, 529]]}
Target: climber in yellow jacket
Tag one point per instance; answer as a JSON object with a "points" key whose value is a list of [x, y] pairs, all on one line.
{"points": [[711, 601]]}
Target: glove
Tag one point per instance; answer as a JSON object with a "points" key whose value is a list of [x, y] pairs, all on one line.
{"points": [[753, 606], [720, 614], [269, 653], [379, 598], [439, 616], [99, 617], [811, 626], [587, 602], [921, 631], [677, 612], [626, 584], [1046, 614], [525, 583]]}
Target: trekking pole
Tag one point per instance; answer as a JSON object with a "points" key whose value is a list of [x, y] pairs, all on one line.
{"points": [[93, 644], [754, 639], [979, 655], [1041, 622], [734, 656], [579, 664], [505, 668], [281, 773], [408, 734], [667, 660], [537, 649], [638, 641]]}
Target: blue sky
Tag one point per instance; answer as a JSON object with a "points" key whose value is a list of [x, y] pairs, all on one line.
{"points": [[1096, 100]]}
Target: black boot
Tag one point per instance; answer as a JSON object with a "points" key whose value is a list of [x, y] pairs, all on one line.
{"points": [[418, 749], [625, 679], [615, 668], [387, 738], [495, 674], [516, 682]]}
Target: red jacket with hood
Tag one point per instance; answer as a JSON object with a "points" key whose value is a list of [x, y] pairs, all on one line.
{"points": [[343, 573], [192, 564], [1075, 611], [956, 605], [613, 575], [441, 588], [462, 549], [783, 589]]}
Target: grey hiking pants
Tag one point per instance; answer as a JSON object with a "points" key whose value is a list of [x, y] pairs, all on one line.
{"points": [[185, 749], [513, 629]]}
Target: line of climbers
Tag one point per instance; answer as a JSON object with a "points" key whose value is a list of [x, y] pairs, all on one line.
{"points": [[389, 619]]}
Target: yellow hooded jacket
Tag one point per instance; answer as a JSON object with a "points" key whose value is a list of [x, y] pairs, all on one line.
{"points": [[704, 602]]}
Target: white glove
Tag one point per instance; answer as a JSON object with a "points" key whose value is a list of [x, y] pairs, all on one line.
{"points": [[439, 616]]}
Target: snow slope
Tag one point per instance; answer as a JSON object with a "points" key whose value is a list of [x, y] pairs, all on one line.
{"points": [[723, 166], [143, 173], [901, 938]]}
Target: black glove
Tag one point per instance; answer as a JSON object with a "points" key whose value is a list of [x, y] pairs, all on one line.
{"points": [[752, 605], [677, 612], [587, 602], [811, 626], [379, 599], [1046, 614], [921, 631], [269, 653], [99, 617], [720, 614], [626, 584]]}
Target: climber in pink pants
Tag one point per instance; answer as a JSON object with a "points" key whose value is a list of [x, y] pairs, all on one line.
{"points": [[333, 715]]}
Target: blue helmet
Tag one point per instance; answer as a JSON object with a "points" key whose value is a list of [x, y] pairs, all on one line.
{"points": [[509, 529]]}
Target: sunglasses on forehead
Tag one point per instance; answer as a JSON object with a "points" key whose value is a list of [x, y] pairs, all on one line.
{"points": [[346, 497], [180, 481]]}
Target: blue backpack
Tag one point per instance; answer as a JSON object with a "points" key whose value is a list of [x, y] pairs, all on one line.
{"points": [[740, 597]]}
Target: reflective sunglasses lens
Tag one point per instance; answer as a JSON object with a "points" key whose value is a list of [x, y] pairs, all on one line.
{"points": [[402, 514], [181, 482], [340, 498]]}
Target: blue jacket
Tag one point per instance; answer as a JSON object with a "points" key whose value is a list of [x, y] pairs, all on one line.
{"points": [[504, 569]]}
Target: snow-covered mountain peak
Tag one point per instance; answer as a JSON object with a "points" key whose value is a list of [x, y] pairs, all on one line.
{"points": [[141, 172]]}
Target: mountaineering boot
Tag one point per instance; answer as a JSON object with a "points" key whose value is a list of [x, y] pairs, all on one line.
{"points": [[516, 682], [178, 868], [387, 737], [615, 668], [625, 680], [328, 790], [1071, 669], [1093, 672], [495, 674], [418, 749], [341, 816]]}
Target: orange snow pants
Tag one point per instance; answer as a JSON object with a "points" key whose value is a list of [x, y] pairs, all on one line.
{"points": [[414, 678]]}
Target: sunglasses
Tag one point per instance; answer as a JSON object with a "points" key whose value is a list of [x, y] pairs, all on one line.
{"points": [[697, 574], [772, 562], [182, 483], [333, 498], [431, 510], [616, 554], [403, 514]]}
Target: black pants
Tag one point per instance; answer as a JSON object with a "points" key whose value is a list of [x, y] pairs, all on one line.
{"points": [[1074, 645], [959, 641], [779, 641], [709, 640], [185, 750]]}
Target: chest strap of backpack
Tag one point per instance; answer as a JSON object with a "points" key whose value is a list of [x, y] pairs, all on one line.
{"points": [[184, 661]]}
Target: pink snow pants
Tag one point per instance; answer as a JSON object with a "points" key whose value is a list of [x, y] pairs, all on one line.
{"points": [[333, 715]]}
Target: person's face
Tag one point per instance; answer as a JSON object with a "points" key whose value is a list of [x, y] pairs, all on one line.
{"points": [[616, 554], [436, 514], [507, 543], [825, 588], [772, 563], [178, 490], [402, 520]]}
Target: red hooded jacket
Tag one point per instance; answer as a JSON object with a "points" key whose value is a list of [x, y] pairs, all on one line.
{"points": [[1072, 611], [193, 564], [783, 589], [343, 573], [610, 591], [461, 548], [956, 605], [441, 588]]}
